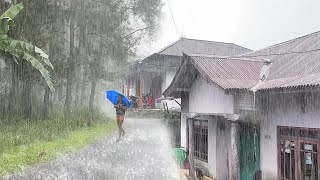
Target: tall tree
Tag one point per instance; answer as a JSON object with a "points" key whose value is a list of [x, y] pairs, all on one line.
{"points": [[116, 31], [71, 60]]}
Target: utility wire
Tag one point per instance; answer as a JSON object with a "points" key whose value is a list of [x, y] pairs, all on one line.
{"points": [[174, 22]]}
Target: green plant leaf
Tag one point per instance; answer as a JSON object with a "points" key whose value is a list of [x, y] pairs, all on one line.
{"points": [[7, 17], [30, 49], [12, 12], [34, 62]]}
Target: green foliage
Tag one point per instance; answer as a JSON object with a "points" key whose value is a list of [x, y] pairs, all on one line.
{"points": [[25, 143], [23, 50], [6, 19], [172, 116], [150, 113]]}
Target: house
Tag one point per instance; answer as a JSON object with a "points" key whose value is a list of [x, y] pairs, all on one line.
{"points": [[205, 84], [155, 73], [252, 113]]}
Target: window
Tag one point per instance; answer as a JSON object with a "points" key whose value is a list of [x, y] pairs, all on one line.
{"points": [[200, 136], [298, 153]]}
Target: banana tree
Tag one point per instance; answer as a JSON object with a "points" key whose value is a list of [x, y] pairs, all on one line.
{"points": [[21, 50]]}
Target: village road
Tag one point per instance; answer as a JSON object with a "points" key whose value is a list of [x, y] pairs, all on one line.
{"points": [[144, 153]]}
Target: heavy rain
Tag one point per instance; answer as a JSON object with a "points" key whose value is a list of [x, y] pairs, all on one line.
{"points": [[159, 89]]}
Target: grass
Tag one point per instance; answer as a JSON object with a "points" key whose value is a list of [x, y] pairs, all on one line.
{"points": [[24, 143]]}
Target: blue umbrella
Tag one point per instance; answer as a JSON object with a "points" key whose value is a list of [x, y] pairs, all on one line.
{"points": [[113, 97]]}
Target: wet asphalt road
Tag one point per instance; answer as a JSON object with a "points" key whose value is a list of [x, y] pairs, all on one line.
{"points": [[143, 153]]}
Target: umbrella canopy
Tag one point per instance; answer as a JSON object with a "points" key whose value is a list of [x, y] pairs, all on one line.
{"points": [[112, 95]]}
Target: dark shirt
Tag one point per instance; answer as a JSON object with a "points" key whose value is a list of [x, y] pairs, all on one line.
{"points": [[121, 110]]}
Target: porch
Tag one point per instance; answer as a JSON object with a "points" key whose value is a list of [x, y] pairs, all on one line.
{"points": [[222, 146]]}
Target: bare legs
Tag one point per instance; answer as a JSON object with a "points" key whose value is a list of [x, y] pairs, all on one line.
{"points": [[120, 120]]}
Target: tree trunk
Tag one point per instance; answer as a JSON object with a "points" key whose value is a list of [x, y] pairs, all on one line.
{"points": [[26, 99], [83, 84], [91, 100], [13, 89], [81, 55], [70, 72], [46, 99], [1, 72], [77, 93], [60, 90]]}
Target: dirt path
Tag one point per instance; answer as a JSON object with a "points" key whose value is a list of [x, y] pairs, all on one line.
{"points": [[144, 153]]}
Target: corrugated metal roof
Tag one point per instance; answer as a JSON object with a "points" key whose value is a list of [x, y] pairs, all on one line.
{"points": [[228, 73], [295, 63], [194, 46], [299, 60], [303, 80]]}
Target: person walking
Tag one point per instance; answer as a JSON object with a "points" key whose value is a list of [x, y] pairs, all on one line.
{"points": [[121, 108]]}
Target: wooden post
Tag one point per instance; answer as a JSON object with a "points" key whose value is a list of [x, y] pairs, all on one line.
{"points": [[140, 94], [187, 135], [191, 150], [234, 150]]}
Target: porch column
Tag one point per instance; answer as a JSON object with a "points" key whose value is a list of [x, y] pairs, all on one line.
{"points": [[234, 150], [191, 149]]}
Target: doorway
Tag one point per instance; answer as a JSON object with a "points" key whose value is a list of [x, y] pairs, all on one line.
{"points": [[249, 150]]}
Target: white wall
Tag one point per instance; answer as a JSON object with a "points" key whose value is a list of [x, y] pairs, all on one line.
{"points": [[183, 130], [169, 77], [283, 112], [209, 98], [223, 148], [173, 105], [210, 166], [212, 153]]}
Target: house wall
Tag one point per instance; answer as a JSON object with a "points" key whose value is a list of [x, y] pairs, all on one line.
{"points": [[209, 98], [283, 110], [167, 78], [223, 148], [212, 153], [219, 148], [209, 168], [170, 73], [243, 101], [147, 81]]}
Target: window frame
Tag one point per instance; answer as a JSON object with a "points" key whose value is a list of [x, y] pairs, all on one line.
{"points": [[200, 136], [295, 134]]}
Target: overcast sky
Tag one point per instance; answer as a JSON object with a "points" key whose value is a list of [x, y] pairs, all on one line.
{"points": [[253, 24]]}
